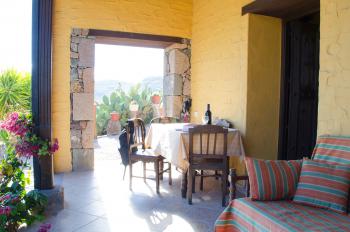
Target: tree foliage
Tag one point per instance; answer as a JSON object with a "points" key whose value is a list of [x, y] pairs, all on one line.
{"points": [[15, 92]]}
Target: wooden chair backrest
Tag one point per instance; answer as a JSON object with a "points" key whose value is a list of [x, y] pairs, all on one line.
{"points": [[207, 147], [165, 120], [136, 129]]}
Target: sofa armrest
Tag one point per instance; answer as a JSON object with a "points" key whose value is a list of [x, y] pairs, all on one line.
{"points": [[233, 180]]}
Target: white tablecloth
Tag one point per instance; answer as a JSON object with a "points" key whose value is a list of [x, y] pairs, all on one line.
{"points": [[171, 142]]}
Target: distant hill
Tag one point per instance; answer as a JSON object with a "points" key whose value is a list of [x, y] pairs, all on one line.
{"points": [[106, 87], [155, 83]]}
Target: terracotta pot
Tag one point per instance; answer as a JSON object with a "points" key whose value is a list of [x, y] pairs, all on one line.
{"points": [[156, 99], [115, 116]]}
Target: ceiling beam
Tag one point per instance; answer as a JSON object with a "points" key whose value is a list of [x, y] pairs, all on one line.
{"points": [[135, 36], [284, 9]]}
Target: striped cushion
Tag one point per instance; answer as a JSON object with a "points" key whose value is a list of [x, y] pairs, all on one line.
{"points": [[324, 185], [243, 215], [333, 149], [272, 179]]}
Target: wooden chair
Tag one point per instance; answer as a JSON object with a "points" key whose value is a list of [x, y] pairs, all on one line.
{"points": [[234, 178], [165, 120], [207, 158], [136, 134]]}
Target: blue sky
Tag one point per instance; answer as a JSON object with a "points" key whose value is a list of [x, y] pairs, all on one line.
{"points": [[129, 64]]}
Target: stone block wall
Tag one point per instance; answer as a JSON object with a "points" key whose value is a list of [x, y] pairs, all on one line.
{"points": [[82, 120], [177, 77]]}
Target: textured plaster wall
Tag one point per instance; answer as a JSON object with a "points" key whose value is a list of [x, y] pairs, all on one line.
{"points": [[161, 17], [263, 88], [219, 61], [236, 67], [334, 89]]}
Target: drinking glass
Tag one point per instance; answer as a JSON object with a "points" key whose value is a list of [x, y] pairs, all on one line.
{"points": [[205, 120]]}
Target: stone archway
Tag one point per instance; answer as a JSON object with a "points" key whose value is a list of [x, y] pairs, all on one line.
{"points": [[176, 89]]}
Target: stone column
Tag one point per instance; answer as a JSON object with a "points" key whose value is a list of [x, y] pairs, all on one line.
{"points": [[82, 56], [177, 77]]}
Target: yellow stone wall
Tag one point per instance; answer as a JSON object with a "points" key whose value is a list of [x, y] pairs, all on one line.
{"points": [[219, 60], [334, 81], [230, 71], [160, 17], [263, 88], [224, 71]]}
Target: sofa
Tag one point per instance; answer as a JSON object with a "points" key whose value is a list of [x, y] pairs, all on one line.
{"points": [[246, 214]]}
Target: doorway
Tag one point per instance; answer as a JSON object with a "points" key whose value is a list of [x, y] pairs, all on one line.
{"points": [[176, 79], [299, 90]]}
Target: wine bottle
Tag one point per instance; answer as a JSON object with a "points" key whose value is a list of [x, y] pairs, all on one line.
{"points": [[208, 114]]}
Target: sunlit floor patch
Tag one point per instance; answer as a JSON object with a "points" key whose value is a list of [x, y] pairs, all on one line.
{"points": [[100, 200]]}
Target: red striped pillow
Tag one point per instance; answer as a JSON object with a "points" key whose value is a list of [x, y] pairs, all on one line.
{"points": [[272, 179], [324, 185], [333, 149]]}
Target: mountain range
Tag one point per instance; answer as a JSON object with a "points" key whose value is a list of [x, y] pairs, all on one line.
{"points": [[106, 87]]}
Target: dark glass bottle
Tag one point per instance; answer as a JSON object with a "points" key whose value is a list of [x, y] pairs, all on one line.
{"points": [[208, 114]]}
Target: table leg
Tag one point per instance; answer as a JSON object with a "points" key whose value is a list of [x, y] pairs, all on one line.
{"points": [[184, 184], [161, 168]]}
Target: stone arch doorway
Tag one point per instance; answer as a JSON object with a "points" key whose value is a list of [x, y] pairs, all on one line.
{"points": [[176, 82]]}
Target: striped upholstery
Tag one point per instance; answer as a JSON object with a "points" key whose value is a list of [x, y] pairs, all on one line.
{"points": [[333, 149], [246, 215], [272, 179], [324, 185]]}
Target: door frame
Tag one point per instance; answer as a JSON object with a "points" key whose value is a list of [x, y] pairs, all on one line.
{"points": [[286, 10], [284, 93]]}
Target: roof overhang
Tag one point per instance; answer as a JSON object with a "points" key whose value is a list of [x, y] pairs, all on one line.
{"points": [[284, 9]]}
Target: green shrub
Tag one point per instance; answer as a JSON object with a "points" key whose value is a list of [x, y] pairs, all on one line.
{"points": [[17, 206], [15, 92], [119, 101]]}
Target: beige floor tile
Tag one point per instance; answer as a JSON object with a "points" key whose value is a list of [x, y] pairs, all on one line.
{"points": [[97, 208], [100, 200], [68, 220], [99, 225]]}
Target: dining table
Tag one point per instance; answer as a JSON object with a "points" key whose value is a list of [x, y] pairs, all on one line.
{"points": [[171, 140]]}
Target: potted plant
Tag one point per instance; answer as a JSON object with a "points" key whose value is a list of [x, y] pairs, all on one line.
{"points": [[156, 98], [115, 116]]}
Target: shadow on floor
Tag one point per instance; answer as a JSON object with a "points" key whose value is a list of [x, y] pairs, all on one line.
{"points": [[100, 200]]}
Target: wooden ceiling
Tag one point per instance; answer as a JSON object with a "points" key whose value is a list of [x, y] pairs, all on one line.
{"points": [[285, 9]]}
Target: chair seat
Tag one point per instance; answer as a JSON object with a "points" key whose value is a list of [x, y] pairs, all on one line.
{"points": [[146, 155]]}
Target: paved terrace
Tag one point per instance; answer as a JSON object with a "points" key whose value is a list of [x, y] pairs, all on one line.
{"points": [[100, 200]]}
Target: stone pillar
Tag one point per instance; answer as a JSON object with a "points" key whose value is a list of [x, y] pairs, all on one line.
{"points": [[82, 56], [177, 77]]}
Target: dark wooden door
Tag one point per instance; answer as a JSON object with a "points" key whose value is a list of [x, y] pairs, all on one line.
{"points": [[300, 98]]}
